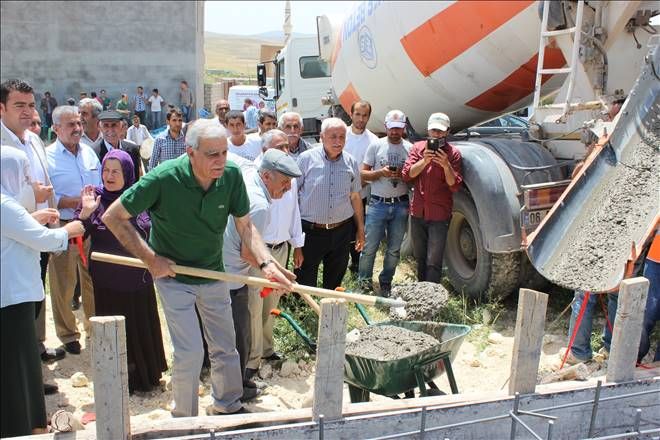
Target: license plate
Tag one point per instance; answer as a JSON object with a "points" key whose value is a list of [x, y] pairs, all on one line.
{"points": [[531, 219]]}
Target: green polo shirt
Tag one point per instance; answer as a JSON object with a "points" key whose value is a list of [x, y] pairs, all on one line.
{"points": [[188, 223]]}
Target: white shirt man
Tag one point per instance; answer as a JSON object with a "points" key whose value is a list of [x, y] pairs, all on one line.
{"points": [[138, 133]]}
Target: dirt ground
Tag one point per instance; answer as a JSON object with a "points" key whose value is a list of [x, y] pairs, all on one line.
{"points": [[482, 364]]}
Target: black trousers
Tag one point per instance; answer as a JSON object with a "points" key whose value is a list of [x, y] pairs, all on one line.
{"points": [[241, 314], [330, 247], [355, 255]]}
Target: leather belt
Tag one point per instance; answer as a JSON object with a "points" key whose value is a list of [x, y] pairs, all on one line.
{"points": [[275, 246], [327, 226], [390, 200]]}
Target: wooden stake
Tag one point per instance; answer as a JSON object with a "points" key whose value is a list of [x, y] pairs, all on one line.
{"points": [[627, 330], [528, 339], [329, 381], [110, 378]]}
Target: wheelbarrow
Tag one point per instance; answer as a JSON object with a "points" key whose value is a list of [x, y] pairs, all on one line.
{"points": [[400, 376]]}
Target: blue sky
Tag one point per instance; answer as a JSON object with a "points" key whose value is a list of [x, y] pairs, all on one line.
{"points": [[255, 17]]}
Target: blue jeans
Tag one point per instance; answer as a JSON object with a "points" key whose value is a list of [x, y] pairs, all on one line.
{"points": [[185, 109], [428, 240], [383, 219], [154, 120], [582, 343], [652, 311]]}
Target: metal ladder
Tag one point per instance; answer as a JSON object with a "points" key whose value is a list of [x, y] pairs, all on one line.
{"points": [[571, 69]]}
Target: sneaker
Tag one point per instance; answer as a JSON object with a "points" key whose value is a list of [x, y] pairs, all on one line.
{"points": [[52, 354], [250, 373], [72, 347], [211, 411], [385, 290], [571, 359], [250, 394], [602, 355], [273, 357], [50, 388], [249, 384]]}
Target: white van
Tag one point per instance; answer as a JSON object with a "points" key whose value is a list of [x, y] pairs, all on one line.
{"points": [[237, 95]]}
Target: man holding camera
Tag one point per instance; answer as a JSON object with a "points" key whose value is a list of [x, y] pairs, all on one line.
{"points": [[434, 167], [387, 214]]}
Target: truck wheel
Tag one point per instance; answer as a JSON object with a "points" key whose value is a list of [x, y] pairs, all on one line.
{"points": [[470, 267]]}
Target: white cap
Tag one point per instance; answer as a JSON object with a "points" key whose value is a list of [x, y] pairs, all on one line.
{"points": [[395, 119], [439, 121]]}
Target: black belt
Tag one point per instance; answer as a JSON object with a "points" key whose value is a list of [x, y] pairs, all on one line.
{"points": [[275, 246], [326, 226], [390, 200]]}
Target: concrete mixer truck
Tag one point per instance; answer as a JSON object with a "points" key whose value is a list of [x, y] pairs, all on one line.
{"points": [[477, 60]]}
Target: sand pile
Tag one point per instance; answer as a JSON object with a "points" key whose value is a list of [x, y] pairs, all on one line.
{"points": [[388, 342]]}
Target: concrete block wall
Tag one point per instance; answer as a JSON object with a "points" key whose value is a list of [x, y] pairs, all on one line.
{"points": [[73, 46]]}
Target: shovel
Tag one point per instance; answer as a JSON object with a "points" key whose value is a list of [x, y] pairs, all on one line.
{"points": [[255, 281]]}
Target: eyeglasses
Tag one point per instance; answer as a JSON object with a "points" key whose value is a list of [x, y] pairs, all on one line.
{"points": [[223, 108]]}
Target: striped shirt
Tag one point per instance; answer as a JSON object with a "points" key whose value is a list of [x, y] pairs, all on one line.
{"points": [[166, 148], [325, 186]]}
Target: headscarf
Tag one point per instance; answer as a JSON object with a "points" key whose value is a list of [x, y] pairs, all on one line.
{"points": [[15, 177], [127, 169], [108, 197]]}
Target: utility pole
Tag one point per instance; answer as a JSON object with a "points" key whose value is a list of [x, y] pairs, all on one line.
{"points": [[288, 26]]}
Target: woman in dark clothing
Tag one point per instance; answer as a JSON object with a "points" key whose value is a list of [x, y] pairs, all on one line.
{"points": [[121, 290]]}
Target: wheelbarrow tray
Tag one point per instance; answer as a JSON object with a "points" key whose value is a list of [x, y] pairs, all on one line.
{"points": [[397, 376]]}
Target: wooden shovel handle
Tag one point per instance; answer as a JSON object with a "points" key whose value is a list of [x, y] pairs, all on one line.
{"points": [[255, 281]]}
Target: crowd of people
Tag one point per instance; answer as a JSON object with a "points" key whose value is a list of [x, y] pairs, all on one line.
{"points": [[135, 105], [211, 196]]}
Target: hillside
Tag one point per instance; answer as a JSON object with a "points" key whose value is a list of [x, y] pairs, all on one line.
{"points": [[236, 54]]}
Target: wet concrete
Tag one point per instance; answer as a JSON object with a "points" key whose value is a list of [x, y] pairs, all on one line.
{"points": [[622, 207], [424, 300], [388, 342]]}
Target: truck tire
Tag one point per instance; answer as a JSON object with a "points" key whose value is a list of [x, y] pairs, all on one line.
{"points": [[471, 269]]}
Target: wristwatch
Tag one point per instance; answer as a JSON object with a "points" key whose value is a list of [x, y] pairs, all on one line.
{"points": [[265, 263]]}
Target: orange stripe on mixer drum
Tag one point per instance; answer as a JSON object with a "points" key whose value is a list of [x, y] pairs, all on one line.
{"points": [[348, 97], [519, 84], [460, 26]]}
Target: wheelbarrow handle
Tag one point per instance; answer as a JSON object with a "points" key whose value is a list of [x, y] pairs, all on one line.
{"points": [[253, 281]]}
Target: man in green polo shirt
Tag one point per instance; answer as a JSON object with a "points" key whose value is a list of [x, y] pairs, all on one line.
{"points": [[189, 200]]}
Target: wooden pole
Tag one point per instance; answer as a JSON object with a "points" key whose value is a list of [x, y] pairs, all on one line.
{"points": [[329, 380], [254, 281], [528, 339], [627, 330], [110, 378]]}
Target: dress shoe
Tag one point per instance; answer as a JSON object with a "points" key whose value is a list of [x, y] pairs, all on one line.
{"points": [[49, 389], [72, 347], [52, 354], [249, 394], [249, 384], [75, 303], [211, 411], [250, 372], [273, 357]]}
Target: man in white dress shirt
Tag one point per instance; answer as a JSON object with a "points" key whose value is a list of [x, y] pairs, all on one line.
{"points": [[72, 165], [282, 230], [17, 111]]}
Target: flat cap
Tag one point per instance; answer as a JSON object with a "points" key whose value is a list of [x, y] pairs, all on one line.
{"points": [[281, 162], [110, 115]]}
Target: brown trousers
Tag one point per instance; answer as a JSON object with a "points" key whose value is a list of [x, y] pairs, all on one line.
{"points": [[62, 280]]}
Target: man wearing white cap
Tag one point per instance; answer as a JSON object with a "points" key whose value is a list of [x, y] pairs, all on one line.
{"points": [[387, 215], [434, 168]]}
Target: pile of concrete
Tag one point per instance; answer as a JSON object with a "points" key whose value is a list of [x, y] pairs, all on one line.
{"points": [[424, 300], [388, 342]]}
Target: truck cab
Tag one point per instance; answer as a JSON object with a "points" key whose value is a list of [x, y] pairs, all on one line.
{"points": [[300, 76]]}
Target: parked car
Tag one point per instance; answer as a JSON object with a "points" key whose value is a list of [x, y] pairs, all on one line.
{"points": [[507, 124]]}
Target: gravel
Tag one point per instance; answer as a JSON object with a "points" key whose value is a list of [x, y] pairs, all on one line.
{"points": [[621, 208], [424, 300], [388, 342]]}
